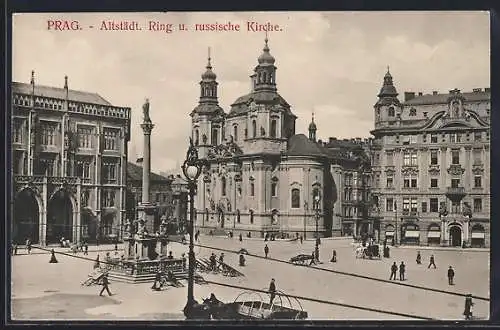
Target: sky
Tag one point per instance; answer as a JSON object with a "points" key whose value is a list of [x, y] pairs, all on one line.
{"points": [[329, 63]]}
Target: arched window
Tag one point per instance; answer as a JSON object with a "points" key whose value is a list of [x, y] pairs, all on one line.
{"points": [[223, 186], [235, 132], [274, 189], [196, 137], [273, 128], [252, 189], [254, 129], [215, 137], [391, 112], [295, 198], [315, 193], [251, 216], [238, 218]]}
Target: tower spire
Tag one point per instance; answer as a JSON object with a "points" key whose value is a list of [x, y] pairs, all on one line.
{"points": [[209, 64], [312, 129]]}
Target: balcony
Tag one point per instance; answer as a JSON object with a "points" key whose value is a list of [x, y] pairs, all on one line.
{"points": [[407, 213], [455, 193]]}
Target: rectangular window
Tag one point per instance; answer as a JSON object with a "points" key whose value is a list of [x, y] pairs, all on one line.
{"points": [[17, 134], [433, 205], [390, 182], [252, 189], [453, 138], [390, 159], [477, 181], [111, 139], [414, 206], [410, 182], [48, 134], [389, 204], [406, 206], [406, 159], [434, 157], [455, 207], [424, 207], [477, 153], [477, 136], [434, 183], [414, 159], [274, 189], [455, 183], [455, 157], [109, 172], [478, 205], [434, 138], [85, 134], [377, 180]]}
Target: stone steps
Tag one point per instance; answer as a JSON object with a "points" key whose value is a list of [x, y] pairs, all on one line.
{"points": [[143, 278]]}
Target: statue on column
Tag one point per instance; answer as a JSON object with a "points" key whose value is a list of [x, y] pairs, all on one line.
{"points": [[128, 228], [145, 111], [141, 228], [163, 226]]}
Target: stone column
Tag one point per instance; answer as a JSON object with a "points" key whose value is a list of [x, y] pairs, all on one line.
{"points": [[145, 209], [43, 213]]}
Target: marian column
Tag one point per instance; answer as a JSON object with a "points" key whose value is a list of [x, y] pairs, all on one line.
{"points": [[145, 208]]}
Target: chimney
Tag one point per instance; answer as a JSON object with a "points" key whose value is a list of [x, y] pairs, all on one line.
{"points": [[477, 90], [487, 90], [409, 96], [434, 92], [420, 93]]}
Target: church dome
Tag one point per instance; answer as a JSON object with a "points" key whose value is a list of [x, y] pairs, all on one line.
{"points": [[266, 57]]}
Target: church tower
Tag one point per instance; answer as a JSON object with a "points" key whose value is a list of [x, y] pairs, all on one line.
{"points": [[388, 108], [312, 129], [264, 78], [208, 116]]}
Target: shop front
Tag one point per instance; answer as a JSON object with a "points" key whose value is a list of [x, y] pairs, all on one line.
{"points": [[411, 234], [477, 236], [434, 235], [389, 235]]}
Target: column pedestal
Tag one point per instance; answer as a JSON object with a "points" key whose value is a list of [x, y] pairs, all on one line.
{"points": [[146, 212]]}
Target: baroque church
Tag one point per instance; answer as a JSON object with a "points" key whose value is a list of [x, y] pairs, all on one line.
{"points": [[262, 176]]}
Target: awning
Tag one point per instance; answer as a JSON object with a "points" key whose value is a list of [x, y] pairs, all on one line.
{"points": [[434, 234], [412, 233], [389, 233], [477, 235]]}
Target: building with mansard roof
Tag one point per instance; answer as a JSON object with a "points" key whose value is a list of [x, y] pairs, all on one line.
{"points": [[431, 166], [69, 155], [263, 177]]}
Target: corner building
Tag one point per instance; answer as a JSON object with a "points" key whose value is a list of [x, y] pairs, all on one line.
{"points": [[431, 166], [69, 156], [262, 176]]}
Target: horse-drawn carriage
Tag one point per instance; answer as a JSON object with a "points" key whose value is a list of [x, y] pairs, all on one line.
{"points": [[371, 251]]}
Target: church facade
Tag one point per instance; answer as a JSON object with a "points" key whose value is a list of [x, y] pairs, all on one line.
{"points": [[262, 176], [431, 166]]}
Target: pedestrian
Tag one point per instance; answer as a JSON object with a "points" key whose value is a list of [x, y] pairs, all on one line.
{"points": [[394, 269], [184, 261], [213, 262], [170, 255], [301, 239], [334, 256], [402, 271], [242, 260], [53, 259], [28, 246], [157, 280], [266, 250], [419, 258], [96, 262], [85, 249], [221, 259], [468, 307], [272, 291], [105, 284], [451, 275], [313, 258], [116, 247], [241, 238], [431, 262]]}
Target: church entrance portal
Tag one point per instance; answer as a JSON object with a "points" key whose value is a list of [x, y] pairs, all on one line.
{"points": [[59, 218], [455, 236], [26, 218]]}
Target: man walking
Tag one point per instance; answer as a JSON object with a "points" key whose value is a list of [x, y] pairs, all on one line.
{"points": [[266, 250], [419, 258], [468, 307], [431, 262], [85, 249], [272, 291], [105, 284], [28, 246], [301, 239], [451, 275], [394, 269], [402, 271]]}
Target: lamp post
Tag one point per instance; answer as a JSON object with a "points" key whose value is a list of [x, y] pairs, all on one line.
{"points": [[317, 199], [396, 223], [191, 169]]}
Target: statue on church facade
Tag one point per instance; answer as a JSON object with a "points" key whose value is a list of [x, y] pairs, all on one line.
{"points": [[145, 111]]}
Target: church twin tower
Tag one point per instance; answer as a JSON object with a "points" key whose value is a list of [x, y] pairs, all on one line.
{"points": [[260, 121]]}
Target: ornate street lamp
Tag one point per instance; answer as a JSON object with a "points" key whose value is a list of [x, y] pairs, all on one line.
{"points": [[317, 199], [191, 169], [396, 223]]}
